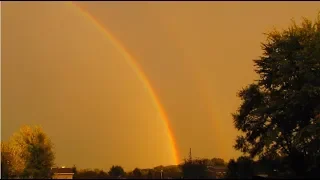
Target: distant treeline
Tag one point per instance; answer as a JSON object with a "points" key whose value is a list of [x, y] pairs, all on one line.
{"points": [[189, 168]]}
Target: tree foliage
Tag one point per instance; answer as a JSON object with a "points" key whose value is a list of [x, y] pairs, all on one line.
{"points": [[116, 171], [150, 174], [30, 153], [282, 106], [218, 162], [74, 170], [91, 174], [6, 162], [137, 173], [232, 169], [172, 172], [194, 169], [243, 168]]}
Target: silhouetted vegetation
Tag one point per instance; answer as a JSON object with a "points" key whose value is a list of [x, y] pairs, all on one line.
{"points": [[137, 173], [279, 113], [116, 171], [243, 168], [189, 169], [217, 162], [74, 170], [91, 174], [194, 169], [150, 174]]}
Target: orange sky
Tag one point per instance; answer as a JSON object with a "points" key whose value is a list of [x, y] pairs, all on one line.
{"points": [[59, 71]]}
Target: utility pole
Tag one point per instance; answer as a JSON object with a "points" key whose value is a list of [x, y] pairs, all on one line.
{"points": [[190, 155]]}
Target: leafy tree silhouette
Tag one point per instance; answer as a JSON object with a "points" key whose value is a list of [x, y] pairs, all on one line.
{"points": [[285, 100]]}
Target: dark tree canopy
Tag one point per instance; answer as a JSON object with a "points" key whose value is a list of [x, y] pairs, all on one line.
{"points": [[74, 169], [279, 113], [194, 169], [243, 168], [218, 161], [116, 171], [137, 172], [232, 169], [150, 174], [90, 174]]}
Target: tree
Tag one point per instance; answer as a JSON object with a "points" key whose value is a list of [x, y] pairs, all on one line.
{"points": [[74, 170], [33, 152], [89, 173], [232, 171], [243, 168], [137, 173], [172, 171], [129, 175], [194, 169], [116, 171], [150, 174], [285, 99], [6, 162], [12, 163], [218, 161]]}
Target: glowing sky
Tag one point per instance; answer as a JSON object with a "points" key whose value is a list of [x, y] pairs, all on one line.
{"points": [[60, 71]]}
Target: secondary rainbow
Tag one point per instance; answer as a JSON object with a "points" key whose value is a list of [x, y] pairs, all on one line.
{"points": [[138, 70]]}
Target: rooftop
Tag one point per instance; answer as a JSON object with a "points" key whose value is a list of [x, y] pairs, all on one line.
{"points": [[61, 170]]}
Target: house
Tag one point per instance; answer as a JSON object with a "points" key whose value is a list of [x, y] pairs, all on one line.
{"points": [[62, 173]]}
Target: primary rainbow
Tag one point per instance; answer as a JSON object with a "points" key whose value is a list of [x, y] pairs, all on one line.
{"points": [[138, 70]]}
